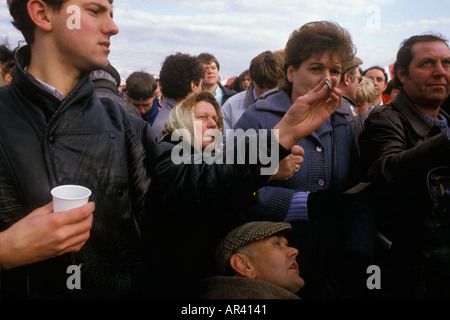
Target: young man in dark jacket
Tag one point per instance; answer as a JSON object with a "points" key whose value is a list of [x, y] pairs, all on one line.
{"points": [[211, 81], [54, 130]]}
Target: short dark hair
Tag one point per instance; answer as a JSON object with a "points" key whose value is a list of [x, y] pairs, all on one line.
{"points": [[177, 73], [208, 58], [267, 69], [350, 68], [405, 54], [316, 37], [391, 85], [377, 68], [140, 85], [21, 19], [6, 59]]}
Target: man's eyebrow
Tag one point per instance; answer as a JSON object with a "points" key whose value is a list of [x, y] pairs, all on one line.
{"points": [[101, 7], [281, 237], [434, 57], [429, 57]]}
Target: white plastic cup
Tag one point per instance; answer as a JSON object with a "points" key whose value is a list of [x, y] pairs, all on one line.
{"points": [[69, 196]]}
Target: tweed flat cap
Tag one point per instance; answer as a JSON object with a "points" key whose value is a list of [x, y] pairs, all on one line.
{"points": [[243, 235], [351, 64]]}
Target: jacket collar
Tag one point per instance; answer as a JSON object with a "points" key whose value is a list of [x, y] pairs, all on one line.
{"points": [[24, 80], [30, 87], [280, 102], [170, 103], [404, 105], [349, 100], [249, 98]]}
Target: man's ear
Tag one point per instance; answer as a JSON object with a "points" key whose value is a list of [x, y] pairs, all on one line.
{"points": [[242, 265], [194, 87], [38, 12], [346, 80]]}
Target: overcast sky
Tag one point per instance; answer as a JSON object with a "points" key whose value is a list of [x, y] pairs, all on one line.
{"points": [[235, 31]]}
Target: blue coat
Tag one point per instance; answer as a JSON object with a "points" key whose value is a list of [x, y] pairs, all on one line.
{"points": [[331, 161]]}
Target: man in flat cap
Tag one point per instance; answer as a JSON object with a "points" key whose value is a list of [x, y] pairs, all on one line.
{"points": [[350, 80], [255, 262]]}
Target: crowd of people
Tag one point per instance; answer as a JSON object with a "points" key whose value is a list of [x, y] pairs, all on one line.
{"points": [[361, 178]]}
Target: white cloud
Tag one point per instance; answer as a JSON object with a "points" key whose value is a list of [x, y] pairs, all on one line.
{"points": [[237, 30], [234, 31]]}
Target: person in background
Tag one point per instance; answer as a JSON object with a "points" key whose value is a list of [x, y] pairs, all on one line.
{"points": [[266, 71], [211, 81], [255, 261], [350, 79], [392, 89], [6, 62], [244, 80], [233, 84], [106, 84], [140, 90], [241, 82], [379, 78], [180, 77], [364, 95], [159, 98]]}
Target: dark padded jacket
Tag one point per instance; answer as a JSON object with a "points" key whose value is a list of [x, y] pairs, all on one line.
{"points": [[81, 140], [399, 147]]}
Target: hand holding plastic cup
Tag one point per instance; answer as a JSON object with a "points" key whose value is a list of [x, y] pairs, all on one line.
{"points": [[69, 196]]}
